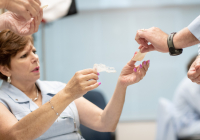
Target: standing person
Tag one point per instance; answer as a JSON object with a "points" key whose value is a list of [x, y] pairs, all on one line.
{"points": [[173, 43], [34, 109], [23, 18]]}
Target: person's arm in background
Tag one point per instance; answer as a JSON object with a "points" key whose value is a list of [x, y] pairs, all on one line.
{"points": [[25, 8], [20, 25], [188, 36]]}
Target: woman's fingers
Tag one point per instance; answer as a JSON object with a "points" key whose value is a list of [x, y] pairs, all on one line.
{"points": [[89, 71], [145, 64], [142, 71], [91, 82], [91, 87], [90, 76]]}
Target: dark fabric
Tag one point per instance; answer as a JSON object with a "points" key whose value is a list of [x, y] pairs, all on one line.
{"points": [[96, 98], [72, 9], [191, 138]]}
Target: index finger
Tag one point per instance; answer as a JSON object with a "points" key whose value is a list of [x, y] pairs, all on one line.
{"points": [[89, 71]]}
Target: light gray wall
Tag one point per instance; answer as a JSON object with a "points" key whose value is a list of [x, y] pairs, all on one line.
{"points": [[106, 35]]}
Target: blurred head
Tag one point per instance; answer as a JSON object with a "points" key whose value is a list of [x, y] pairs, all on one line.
{"points": [[17, 58]]}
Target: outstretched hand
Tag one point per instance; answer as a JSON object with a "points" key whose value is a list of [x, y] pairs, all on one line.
{"points": [[132, 74], [153, 39], [20, 25]]}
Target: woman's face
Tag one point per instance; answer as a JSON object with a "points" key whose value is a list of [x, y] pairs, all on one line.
{"points": [[25, 65]]}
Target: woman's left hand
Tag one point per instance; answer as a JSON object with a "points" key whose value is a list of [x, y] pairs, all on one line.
{"points": [[20, 25], [132, 74]]}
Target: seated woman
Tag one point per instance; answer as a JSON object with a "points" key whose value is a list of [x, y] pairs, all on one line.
{"points": [[34, 109]]}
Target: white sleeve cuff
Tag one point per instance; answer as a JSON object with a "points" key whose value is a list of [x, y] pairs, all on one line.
{"points": [[194, 27]]}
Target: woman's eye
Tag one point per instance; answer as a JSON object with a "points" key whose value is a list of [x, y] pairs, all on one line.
{"points": [[23, 56], [34, 52]]}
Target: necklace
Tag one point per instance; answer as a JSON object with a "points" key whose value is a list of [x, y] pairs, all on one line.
{"points": [[36, 97]]}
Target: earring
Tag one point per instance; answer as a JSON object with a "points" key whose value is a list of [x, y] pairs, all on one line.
{"points": [[9, 80]]}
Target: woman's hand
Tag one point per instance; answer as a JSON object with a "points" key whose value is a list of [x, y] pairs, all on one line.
{"points": [[131, 74], [82, 82], [25, 8], [20, 25]]}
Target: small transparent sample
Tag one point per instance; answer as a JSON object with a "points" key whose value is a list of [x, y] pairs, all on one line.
{"points": [[102, 67], [139, 56], [44, 7]]}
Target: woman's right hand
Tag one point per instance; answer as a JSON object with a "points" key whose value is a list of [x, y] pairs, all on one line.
{"points": [[82, 82], [26, 8]]}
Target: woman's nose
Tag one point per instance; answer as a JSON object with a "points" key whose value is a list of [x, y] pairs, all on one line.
{"points": [[34, 58]]}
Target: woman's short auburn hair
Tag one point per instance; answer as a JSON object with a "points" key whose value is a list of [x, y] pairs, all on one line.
{"points": [[10, 45]]}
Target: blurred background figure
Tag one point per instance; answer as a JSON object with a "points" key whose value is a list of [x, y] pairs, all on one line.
{"points": [[180, 120]]}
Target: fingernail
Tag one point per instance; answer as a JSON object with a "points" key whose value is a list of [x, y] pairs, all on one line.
{"points": [[99, 83], [148, 61], [97, 73], [140, 66], [144, 62], [135, 69]]}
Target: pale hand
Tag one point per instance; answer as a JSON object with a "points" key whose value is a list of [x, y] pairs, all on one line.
{"points": [[131, 74], [153, 39], [194, 71], [20, 25]]}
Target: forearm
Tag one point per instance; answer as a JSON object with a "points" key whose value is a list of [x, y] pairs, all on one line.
{"points": [[112, 112], [184, 38], [39, 121]]}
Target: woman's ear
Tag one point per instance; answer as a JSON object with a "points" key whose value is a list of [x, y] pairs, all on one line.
{"points": [[5, 70]]}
